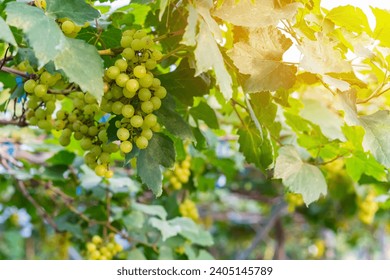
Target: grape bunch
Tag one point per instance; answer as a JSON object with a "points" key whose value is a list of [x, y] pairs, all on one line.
{"points": [[180, 173], [188, 209], [97, 249], [367, 208], [69, 28], [133, 92], [41, 104]]}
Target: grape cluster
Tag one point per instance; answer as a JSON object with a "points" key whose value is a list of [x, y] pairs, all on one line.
{"points": [[69, 28], [133, 92], [188, 209], [293, 200], [40, 4], [367, 208], [180, 173], [41, 104], [97, 249]]}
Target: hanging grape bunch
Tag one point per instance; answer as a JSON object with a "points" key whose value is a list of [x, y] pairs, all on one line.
{"points": [[180, 173]]}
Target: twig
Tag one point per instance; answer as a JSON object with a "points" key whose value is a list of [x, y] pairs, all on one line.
{"points": [[4, 60], [262, 230], [17, 72], [13, 122]]}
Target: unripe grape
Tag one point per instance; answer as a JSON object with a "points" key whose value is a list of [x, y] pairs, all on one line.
{"points": [[59, 124], [86, 143], [117, 107], [110, 148], [150, 64], [108, 174], [128, 94], [126, 41], [78, 103], [89, 98], [142, 142], [156, 128], [33, 121], [129, 32], [40, 113], [160, 92], [128, 53], [121, 64], [29, 86], [103, 136], [132, 85], [136, 121], [112, 72], [104, 157], [150, 120], [44, 124], [84, 129], [147, 107], [64, 140], [137, 44], [91, 247], [126, 147], [100, 170], [147, 133], [146, 81], [147, 41], [139, 71], [123, 134], [45, 78], [128, 111], [144, 94], [93, 131], [156, 83], [66, 132], [139, 34], [157, 55], [67, 27], [40, 90], [156, 102], [122, 79]]}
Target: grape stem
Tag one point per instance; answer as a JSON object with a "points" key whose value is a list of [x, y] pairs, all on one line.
{"points": [[110, 52], [169, 35], [14, 122]]}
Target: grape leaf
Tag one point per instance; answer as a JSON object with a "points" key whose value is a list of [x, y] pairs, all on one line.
{"points": [[362, 163], [350, 17], [43, 34], [167, 230], [299, 176], [208, 56], [321, 57], [204, 112], [153, 210], [82, 65], [382, 27], [190, 30], [76, 10], [5, 33], [261, 58], [246, 12], [160, 151], [191, 231]]}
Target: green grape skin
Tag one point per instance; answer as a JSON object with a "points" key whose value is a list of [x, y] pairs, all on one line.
{"points": [[156, 83], [100, 170], [160, 92], [144, 94], [76, 126], [45, 78], [156, 55], [50, 107], [147, 107], [96, 150], [142, 142], [117, 92], [59, 124], [112, 72], [117, 107], [78, 135], [102, 135], [84, 129], [150, 120], [89, 98], [104, 158], [44, 124], [126, 147], [126, 41], [121, 64], [136, 121], [68, 27], [29, 86], [122, 79], [129, 32], [128, 111], [40, 90], [156, 128], [147, 41], [89, 158], [110, 148], [66, 132], [86, 143], [139, 34], [139, 71], [146, 81], [33, 121], [147, 133], [40, 114], [128, 53], [123, 134], [156, 102], [64, 140], [137, 44], [109, 174], [150, 64], [132, 85], [93, 131], [128, 94], [78, 103]]}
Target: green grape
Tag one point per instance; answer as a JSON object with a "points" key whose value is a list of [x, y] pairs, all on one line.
{"points": [[100, 170], [40, 90], [147, 107], [150, 120], [132, 85], [126, 147], [102, 135], [128, 94], [59, 124], [84, 129], [45, 78], [40, 114], [64, 140], [96, 150], [117, 107], [93, 131], [139, 34], [113, 72], [123, 134], [104, 158], [78, 103], [126, 41], [121, 64], [88, 110], [147, 133], [76, 126], [32, 104], [68, 27], [117, 92], [156, 55], [110, 148], [33, 121], [109, 174], [128, 33], [29, 86], [146, 81], [50, 107], [156, 102], [66, 132], [150, 64], [136, 121], [86, 143], [89, 158], [147, 41], [156, 83], [137, 44], [89, 98], [160, 92], [142, 142], [144, 94], [156, 128], [128, 53], [139, 71], [128, 111], [122, 79], [72, 118], [44, 124]]}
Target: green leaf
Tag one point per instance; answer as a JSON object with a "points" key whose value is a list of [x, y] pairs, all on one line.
{"points": [[350, 17], [182, 84], [208, 56], [153, 210], [362, 163], [191, 231], [18, 92], [167, 230], [298, 176], [257, 150], [5, 33], [76, 10], [135, 220], [160, 151], [82, 65], [173, 122], [205, 113], [190, 30], [43, 34], [136, 254], [62, 158]]}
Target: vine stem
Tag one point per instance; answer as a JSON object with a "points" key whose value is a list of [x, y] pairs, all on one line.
{"points": [[17, 72], [13, 122]]}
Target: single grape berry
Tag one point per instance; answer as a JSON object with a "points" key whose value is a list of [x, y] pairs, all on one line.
{"points": [[139, 71], [126, 147], [136, 121], [142, 142], [100, 170], [68, 27], [123, 134]]}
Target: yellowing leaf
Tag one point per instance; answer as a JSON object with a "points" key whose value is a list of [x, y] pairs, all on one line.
{"points": [[190, 31], [321, 57], [382, 28], [261, 58], [260, 13], [208, 56], [350, 17]]}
